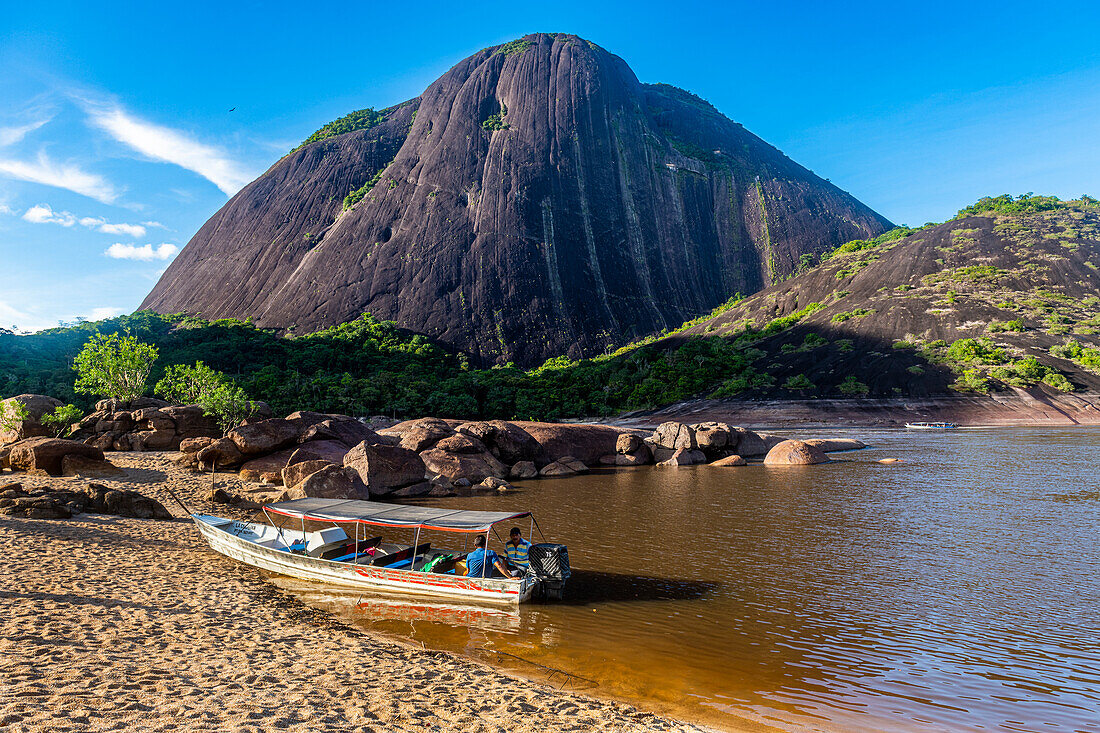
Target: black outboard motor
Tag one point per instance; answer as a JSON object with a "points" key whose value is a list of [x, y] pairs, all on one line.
{"points": [[550, 564]]}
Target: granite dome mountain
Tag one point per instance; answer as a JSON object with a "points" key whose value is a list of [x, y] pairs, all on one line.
{"points": [[535, 200]]}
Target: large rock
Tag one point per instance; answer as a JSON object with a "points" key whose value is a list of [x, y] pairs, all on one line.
{"points": [[295, 473], [155, 440], [266, 435], [333, 482], [346, 430], [192, 422], [475, 467], [84, 467], [139, 403], [640, 457], [220, 452], [47, 454], [385, 468], [123, 502], [420, 435], [36, 405], [747, 442], [564, 466], [322, 450], [674, 436], [270, 465], [511, 443], [194, 445], [461, 443], [627, 443], [711, 437], [585, 442], [795, 453], [523, 470], [833, 445]]}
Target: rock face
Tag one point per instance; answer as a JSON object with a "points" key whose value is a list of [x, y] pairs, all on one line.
{"points": [[535, 200], [385, 468], [795, 453]]}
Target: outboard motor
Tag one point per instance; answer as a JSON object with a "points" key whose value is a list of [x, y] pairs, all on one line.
{"points": [[550, 564]]}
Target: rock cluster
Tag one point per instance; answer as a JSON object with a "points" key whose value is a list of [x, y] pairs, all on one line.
{"points": [[143, 424], [56, 457], [36, 405], [15, 501]]}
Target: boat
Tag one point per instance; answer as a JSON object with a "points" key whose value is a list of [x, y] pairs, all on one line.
{"points": [[931, 425], [362, 561]]}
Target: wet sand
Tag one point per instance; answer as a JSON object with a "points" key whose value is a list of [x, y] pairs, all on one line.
{"points": [[115, 624]]}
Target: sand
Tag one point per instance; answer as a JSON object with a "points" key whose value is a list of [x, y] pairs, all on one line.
{"points": [[116, 624]]}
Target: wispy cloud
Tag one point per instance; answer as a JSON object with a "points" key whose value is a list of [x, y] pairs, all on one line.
{"points": [[12, 135], [170, 146], [43, 214], [60, 175], [144, 253]]}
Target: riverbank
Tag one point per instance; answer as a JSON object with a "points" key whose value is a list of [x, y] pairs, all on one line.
{"points": [[1019, 408], [119, 624]]}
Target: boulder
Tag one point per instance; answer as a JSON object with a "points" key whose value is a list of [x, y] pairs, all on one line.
{"points": [[220, 452], [46, 454], [333, 482], [194, 445], [332, 451], [461, 443], [523, 470], [35, 507], [585, 442], [191, 422], [84, 467], [684, 457], [138, 403], [640, 457], [295, 473], [559, 468], [747, 442], [833, 445], [5, 451], [511, 443], [492, 483], [795, 453], [36, 405], [346, 430], [674, 435], [103, 442], [266, 435], [734, 460], [155, 440], [627, 443], [711, 437], [474, 467], [420, 435], [890, 460], [385, 468], [271, 464], [659, 454], [480, 430], [123, 502]]}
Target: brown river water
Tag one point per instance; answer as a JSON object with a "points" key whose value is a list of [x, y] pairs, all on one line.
{"points": [[957, 590]]}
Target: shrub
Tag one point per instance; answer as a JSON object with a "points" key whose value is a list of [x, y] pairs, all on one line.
{"points": [[1014, 325], [12, 416], [798, 382], [916, 369], [1058, 381], [975, 351], [843, 345], [114, 366], [848, 315], [61, 419], [971, 380], [359, 120], [852, 386]]}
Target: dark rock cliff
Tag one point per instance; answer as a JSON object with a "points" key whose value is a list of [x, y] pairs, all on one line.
{"points": [[535, 200]]}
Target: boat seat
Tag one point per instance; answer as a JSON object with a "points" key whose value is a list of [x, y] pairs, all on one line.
{"points": [[403, 554], [317, 543], [345, 551]]}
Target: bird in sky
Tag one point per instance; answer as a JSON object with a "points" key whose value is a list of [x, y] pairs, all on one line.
{"points": [[233, 110]]}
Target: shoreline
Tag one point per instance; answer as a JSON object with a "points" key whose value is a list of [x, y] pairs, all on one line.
{"points": [[180, 636], [1019, 408]]}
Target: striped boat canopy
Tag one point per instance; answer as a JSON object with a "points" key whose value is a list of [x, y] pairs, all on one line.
{"points": [[391, 515]]}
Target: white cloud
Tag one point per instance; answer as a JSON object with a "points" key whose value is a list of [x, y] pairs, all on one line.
{"points": [[59, 175], [5, 209], [43, 214], [171, 146], [153, 225], [144, 253], [12, 135], [98, 314]]}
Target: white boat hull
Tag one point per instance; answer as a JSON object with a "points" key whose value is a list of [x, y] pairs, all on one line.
{"points": [[222, 536]]}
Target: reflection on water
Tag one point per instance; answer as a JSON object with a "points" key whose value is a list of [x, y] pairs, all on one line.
{"points": [[954, 591]]}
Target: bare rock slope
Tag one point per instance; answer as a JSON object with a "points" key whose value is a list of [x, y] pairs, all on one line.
{"points": [[536, 199]]}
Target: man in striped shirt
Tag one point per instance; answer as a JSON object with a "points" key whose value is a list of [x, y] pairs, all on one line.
{"points": [[517, 547]]}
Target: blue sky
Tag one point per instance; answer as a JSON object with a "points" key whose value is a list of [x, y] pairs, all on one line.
{"points": [[117, 143]]}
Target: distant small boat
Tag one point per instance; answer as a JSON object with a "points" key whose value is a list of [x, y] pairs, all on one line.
{"points": [[930, 425]]}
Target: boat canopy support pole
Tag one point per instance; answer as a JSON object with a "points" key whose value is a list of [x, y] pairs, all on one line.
{"points": [[416, 542], [536, 522], [485, 555]]}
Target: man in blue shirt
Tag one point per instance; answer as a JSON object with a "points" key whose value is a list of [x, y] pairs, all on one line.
{"points": [[477, 559]]}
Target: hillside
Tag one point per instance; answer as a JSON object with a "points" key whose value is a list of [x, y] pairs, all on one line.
{"points": [[535, 200], [1007, 294]]}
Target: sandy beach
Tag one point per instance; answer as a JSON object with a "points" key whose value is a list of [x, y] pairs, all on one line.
{"points": [[115, 624]]}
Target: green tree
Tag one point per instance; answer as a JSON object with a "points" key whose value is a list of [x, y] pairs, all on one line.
{"points": [[114, 366], [228, 404], [12, 416], [188, 384], [61, 419]]}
